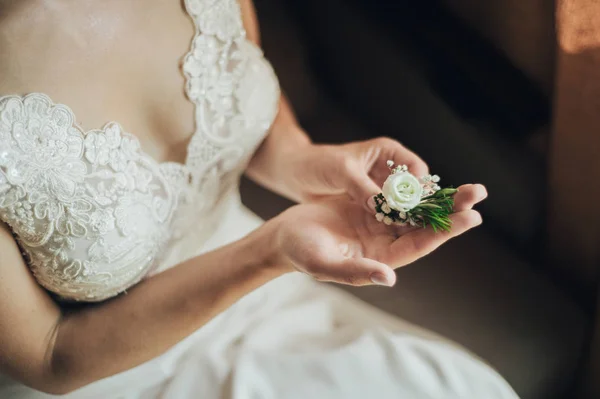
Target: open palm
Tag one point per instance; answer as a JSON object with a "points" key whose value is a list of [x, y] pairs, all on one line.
{"points": [[336, 240]]}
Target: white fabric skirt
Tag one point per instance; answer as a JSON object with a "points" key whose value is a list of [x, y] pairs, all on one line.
{"points": [[295, 338]]}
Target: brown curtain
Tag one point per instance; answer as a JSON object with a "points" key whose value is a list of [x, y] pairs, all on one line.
{"points": [[574, 228]]}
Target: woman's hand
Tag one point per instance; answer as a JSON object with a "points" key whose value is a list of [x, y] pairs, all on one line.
{"points": [[336, 240], [357, 169]]}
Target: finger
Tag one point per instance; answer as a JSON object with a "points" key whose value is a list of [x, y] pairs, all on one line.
{"points": [[361, 188], [359, 272], [468, 195], [418, 243]]}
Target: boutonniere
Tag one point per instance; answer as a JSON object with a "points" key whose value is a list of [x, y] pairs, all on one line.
{"points": [[408, 200]]}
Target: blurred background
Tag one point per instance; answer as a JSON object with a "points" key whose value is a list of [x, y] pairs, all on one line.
{"points": [[500, 92]]}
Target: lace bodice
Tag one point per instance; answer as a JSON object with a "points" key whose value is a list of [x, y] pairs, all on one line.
{"points": [[91, 211]]}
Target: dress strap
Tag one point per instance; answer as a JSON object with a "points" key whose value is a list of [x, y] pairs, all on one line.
{"points": [[220, 18]]}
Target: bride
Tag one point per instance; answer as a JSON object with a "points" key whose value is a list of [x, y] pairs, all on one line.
{"points": [[129, 267]]}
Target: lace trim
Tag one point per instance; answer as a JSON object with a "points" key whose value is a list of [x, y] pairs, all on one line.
{"points": [[91, 210], [87, 208]]}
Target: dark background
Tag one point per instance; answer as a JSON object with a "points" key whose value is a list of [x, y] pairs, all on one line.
{"points": [[421, 73]]}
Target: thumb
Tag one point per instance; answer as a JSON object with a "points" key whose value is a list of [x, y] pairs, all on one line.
{"points": [[361, 189]]}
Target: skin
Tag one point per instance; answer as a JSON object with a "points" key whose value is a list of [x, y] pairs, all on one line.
{"points": [[332, 236]]}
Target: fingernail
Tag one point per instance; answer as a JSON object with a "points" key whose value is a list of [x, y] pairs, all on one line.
{"points": [[479, 220], [371, 203], [380, 279], [485, 193], [482, 194]]}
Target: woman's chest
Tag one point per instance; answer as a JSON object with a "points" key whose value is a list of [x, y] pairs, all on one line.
{"points": [[95, 209]]}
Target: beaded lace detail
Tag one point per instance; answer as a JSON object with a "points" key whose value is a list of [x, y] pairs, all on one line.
{"points": [[92, 212]]}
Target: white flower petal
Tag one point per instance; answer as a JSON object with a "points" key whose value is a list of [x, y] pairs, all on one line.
{"points": [[402, 191]]}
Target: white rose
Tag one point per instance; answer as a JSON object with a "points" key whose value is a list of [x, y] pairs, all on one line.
{"points": [[402, 191]]}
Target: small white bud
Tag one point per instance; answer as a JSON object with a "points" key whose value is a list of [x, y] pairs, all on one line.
{"points": [[387, 220], [379, 216], [402, 215], [435, 178], [386, 208], [436, 187], [390, 163]]}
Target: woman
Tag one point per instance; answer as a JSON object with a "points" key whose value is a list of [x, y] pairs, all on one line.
{"points": [[102, 217]]}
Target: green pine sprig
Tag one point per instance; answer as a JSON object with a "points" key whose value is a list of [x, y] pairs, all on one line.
{"points": [[434, 210]]}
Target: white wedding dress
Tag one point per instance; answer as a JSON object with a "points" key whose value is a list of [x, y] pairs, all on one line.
{"points": [[94, 215]]}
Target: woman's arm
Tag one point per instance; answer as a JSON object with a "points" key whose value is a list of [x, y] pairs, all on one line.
{"points": [[289, 164], [331, 240], [285, 138], [58, 352], [272, 162]]}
